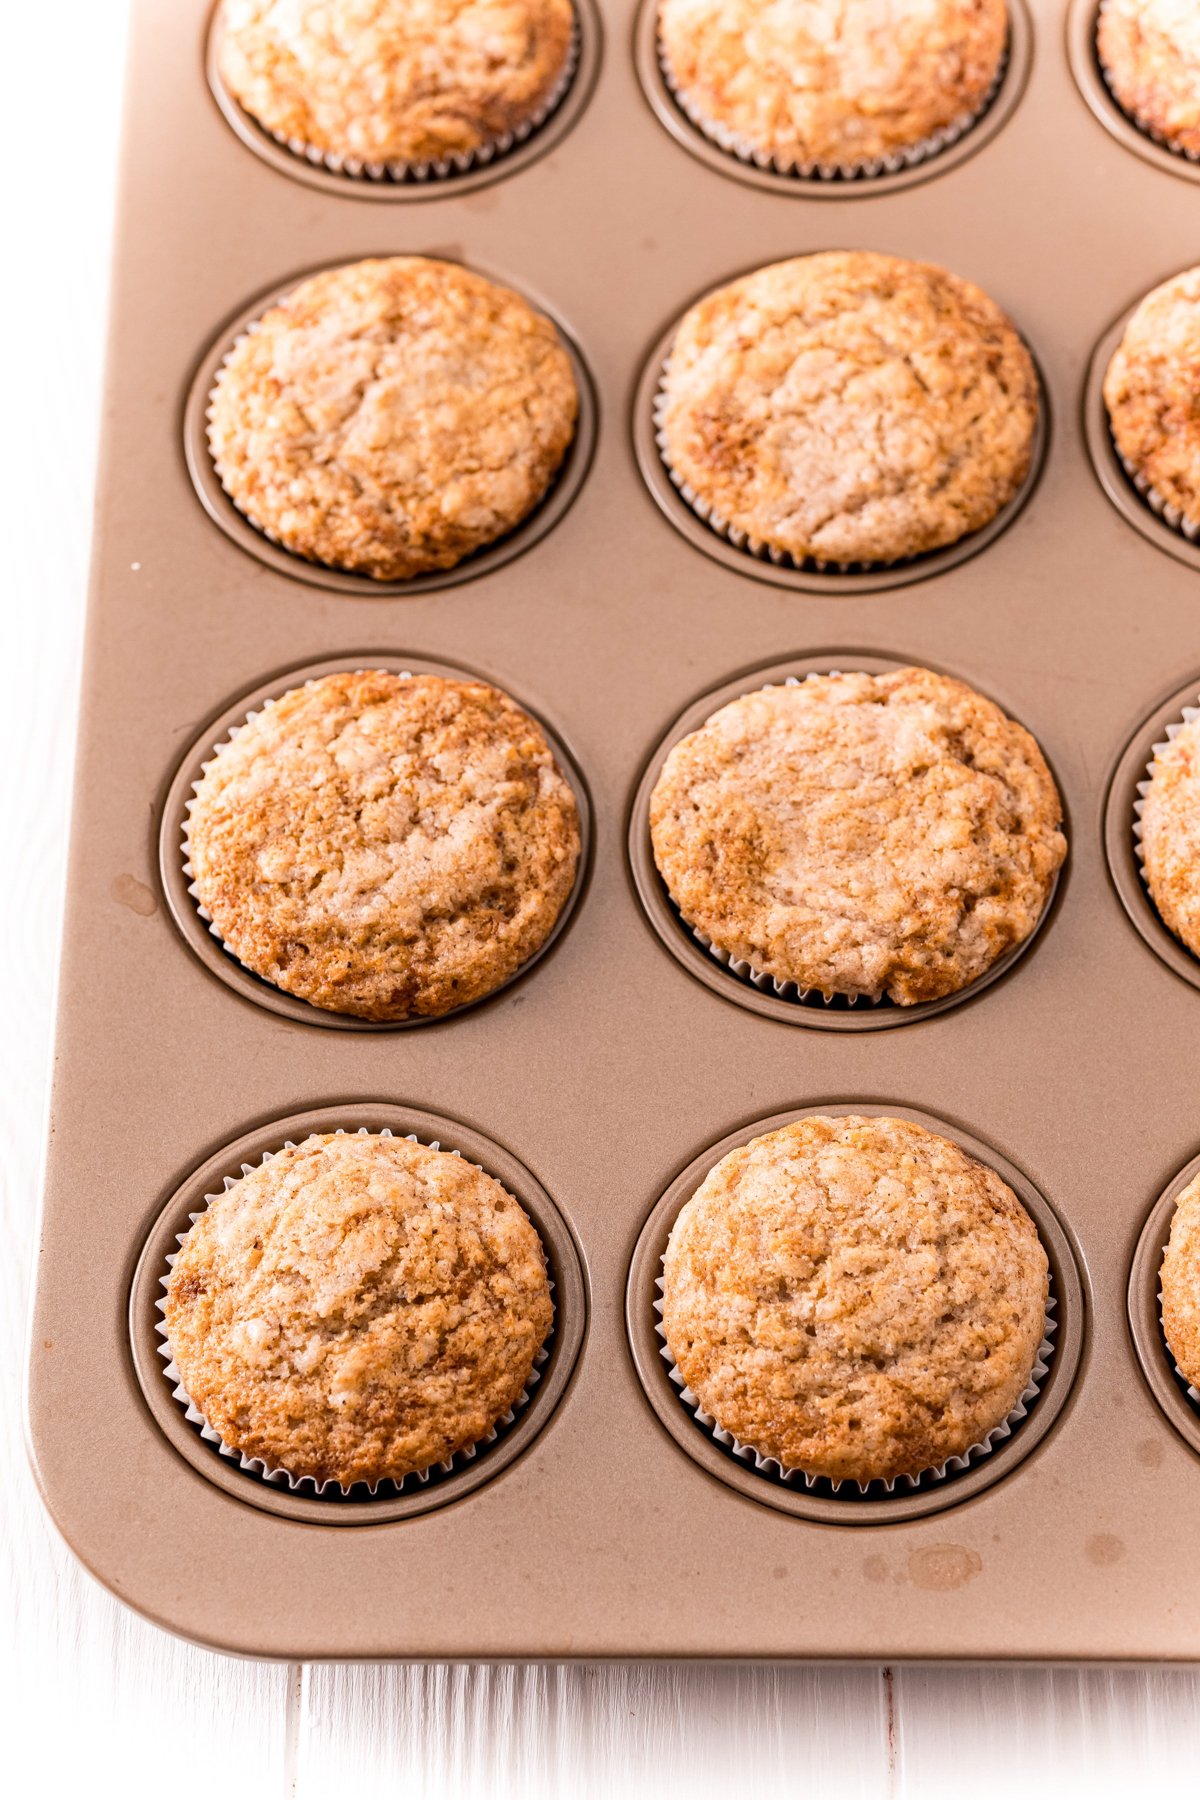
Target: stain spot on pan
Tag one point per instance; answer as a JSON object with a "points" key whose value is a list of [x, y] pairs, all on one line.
{"points": [[875, 1568], [1103, 1550], [1149, 1453], [128, 891], [943, 1566]]}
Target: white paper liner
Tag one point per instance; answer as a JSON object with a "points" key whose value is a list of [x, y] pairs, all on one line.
{"points": [[1192, 1392], [772, 1469], [865, 170], [1187, 716], [1139, 124], [185, 846], [1162, 508], [307, 1484], [464, 162]]}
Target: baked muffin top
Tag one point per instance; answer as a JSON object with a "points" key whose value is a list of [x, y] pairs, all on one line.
{"points": [[1150, 391], [850, 407], [855, 1297], [358, 1308], [394, 81], [1171, 834], [385, 846], [860, 834], [1150, 52], [390, 417], [832, 83], [1179, 1284]]}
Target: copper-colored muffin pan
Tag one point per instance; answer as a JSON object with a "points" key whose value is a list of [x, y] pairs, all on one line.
{"points": [[601, 1083]]}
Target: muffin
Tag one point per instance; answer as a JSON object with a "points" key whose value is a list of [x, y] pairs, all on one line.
{"points": [[395, 81], [848, 407], [819, 84], [391, 417], [855, 1298], [1179, 1283], [1150, 392], [357, 1309], [1171, 834], [390, 847], [1149, 52], [863, 835]]}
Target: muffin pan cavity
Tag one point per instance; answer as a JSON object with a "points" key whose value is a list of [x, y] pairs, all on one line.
{"points": [[1179, 1402], [194, 925], [462, 174], [1083, 22], [821, 1500], [562, 492], [1122, 810], [441, 1485], [887, 175], [732, 979], [735, 551]]}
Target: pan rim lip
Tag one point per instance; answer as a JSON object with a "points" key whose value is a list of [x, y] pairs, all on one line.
{"points": [[565, 486], [677, 937], [1069, 1288], [565, 1258], [1005, 101], [210, 950]]}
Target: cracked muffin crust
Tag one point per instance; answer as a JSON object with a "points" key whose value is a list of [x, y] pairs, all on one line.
{"points": [[832, 83], [358, 1308], [385, 846], [855, 1297], [1171, 834], [857, 834], [1150, 391], [849, 407], [394, 81], [1149, 51], [1179, 1283], [390, 417]]}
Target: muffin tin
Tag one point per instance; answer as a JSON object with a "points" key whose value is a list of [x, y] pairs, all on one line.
{"points": [[600, 1084]]}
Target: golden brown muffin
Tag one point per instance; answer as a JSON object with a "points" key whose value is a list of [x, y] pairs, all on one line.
{"points": [[855, 1297], [385, 846], [1150, 391], [860, 834], [1171, 834], [1150, 53], [831, 84], [849, 407], [358, 1308], [1179, 1283], [391, 417], [394, 81]]}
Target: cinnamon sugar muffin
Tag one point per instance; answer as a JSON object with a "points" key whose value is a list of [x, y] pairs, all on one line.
{"points": [[390, 417], [1171, 834], [1179, 1284], [1149, 52], [1150, 391], [827, 84], [849, 407], [358, 1308], [385, 846], [864, 835], [855, 1297], [394, 81]]}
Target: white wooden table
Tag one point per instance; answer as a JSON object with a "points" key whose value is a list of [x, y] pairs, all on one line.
{"points": [[92, 1700]]}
